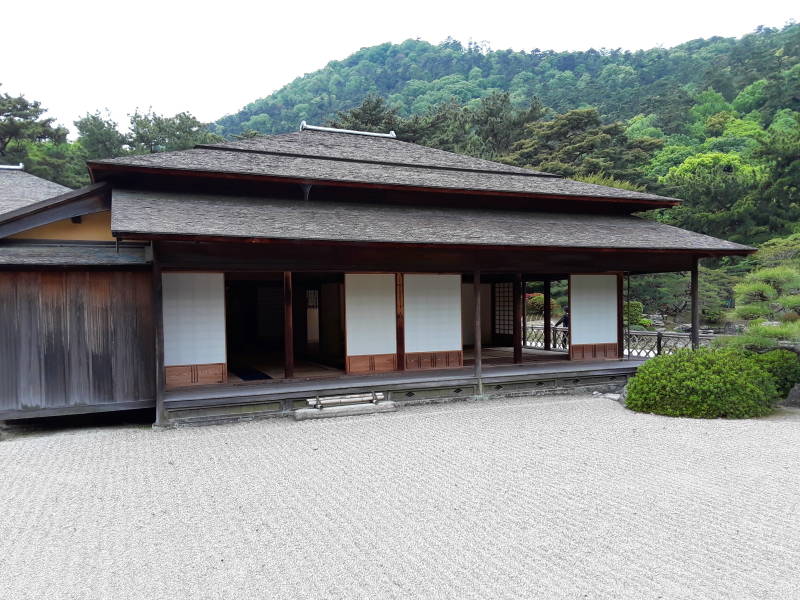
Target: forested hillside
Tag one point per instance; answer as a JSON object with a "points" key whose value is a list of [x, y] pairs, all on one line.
{"points": [[416, 76]]}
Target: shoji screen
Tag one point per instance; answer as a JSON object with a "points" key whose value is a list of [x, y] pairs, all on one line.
{"points": [[594, 318], [194, 328], [371, 322], [432, 311]]}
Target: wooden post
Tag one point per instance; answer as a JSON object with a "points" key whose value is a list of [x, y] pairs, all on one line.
{"points": [[476, 289], [620, 316], [524, 313], [695, 296], [517, 331], [158, 322], [400, 320], [548, 317], [288, 327]]}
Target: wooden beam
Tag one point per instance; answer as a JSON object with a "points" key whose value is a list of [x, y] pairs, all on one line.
{"points": [[517, 330], [400, 320], [158, 326], [695, 302], [476, 290], [313, 257], [548, 317], [288, 327], [524, 311]]}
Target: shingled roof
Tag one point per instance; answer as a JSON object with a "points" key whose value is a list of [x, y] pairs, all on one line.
{"points": [[59, 254], [158, 213], [326, 157], [19, 189]]}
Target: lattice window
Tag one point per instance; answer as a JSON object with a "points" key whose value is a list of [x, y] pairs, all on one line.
{"points": [[504, 308]]}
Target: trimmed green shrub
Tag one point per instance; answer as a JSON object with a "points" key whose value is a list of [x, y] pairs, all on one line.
{"points": [[535, 305], [705, 383], [791, 303], [752, 311], [784, 366], [751, 292], [781, 278], [747, 341], [632, 312], [783, 331]]}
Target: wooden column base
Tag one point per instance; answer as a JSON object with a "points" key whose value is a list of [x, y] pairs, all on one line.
{"points": [[593, 351], [183, 375], [447, 359], [371, 363]]}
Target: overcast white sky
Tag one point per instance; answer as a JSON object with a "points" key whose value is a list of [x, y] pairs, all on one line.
{"points": [[212, 58]]}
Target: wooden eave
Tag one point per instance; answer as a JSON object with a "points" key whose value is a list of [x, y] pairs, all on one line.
{"points": [[128, 235], [92, 198]]}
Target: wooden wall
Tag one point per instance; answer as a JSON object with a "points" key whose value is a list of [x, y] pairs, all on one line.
{"points": [[74, 340]]}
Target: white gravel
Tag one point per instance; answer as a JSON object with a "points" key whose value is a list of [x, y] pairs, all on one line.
{"points": [[561, 497]]}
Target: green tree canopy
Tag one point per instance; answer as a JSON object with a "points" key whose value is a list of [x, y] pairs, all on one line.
{"points": [[21, 121], [578, 143]]}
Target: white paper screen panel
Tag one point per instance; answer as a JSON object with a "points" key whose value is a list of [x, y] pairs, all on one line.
{"points": [[370, 316], [432, 312], [194, 318], [593, 309]]}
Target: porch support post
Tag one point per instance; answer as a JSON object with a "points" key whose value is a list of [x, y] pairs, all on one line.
{"points": [[158, 322], [620, 316], [548, 317], [399, 300], [476, 289], [288, 327], [695, 296], [517, 318]]}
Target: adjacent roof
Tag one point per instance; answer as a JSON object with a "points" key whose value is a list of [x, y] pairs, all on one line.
{"points": [[19, 189], [368, 149], [157, 213], [57, 254], [89, 199], [340, 158]]}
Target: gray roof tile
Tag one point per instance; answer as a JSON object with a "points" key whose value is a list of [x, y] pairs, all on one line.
{"points": [[19, 189], [247, 217], [58, 254], [345, 158]]}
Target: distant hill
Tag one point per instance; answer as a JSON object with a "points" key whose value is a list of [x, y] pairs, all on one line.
{"points": [[415, 76]]}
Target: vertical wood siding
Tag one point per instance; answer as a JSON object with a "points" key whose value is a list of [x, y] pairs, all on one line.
{"points": [[75, 339]]}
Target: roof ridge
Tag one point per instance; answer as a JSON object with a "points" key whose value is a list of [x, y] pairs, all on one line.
{"points": [[376, 162]]}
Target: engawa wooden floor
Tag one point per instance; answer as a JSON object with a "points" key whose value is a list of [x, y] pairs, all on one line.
{"points": [[272, 364]]}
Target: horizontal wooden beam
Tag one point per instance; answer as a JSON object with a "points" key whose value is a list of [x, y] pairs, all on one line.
{"points": [[346, 258], [233, 240]]}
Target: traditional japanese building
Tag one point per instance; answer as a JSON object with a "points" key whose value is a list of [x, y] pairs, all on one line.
{"points": [[245, 277]]}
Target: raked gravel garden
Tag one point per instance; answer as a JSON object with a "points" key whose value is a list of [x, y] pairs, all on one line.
{"points": [[541, 497]]}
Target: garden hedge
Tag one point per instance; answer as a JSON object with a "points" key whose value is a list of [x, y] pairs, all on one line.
{"points": [[704, 383]]}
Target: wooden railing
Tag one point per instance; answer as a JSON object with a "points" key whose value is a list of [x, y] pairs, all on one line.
{"points": [[644, 344], [534, 337], [638, 344]]}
